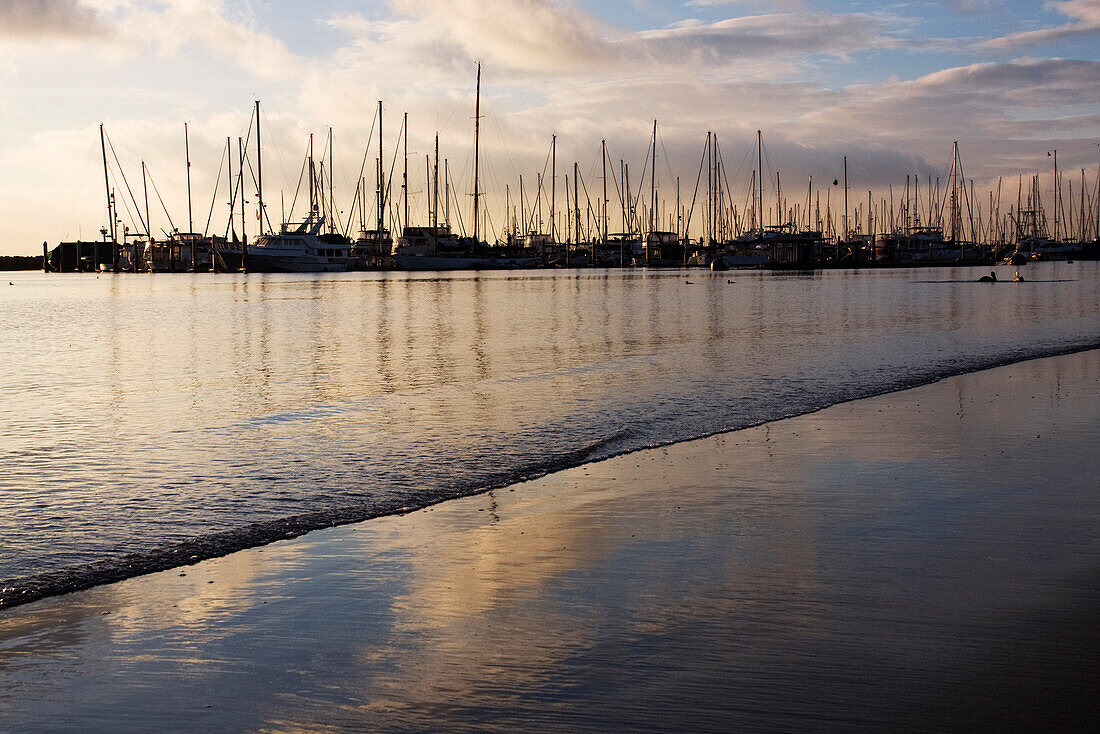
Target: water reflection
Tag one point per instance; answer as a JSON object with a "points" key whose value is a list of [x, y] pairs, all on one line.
{"points": [[188, 405], [885, 564]]}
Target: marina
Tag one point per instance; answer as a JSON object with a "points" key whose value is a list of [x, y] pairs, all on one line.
{"points": [[549, 366], [933, 223]]}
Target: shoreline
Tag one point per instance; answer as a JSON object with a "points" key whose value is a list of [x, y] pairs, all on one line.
{"points": [[15, 592], [926, 557]]}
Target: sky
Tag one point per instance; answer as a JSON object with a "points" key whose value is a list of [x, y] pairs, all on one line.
{"points": [[890, 86]]}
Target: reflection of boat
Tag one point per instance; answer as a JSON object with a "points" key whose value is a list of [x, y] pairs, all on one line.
{"points": [[297, 250]]}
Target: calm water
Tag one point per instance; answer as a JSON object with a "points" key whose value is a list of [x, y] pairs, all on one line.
{"points": [[140, 412]]}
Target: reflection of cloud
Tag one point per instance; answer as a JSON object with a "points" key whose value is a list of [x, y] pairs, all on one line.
{"points": [[35, 19]]}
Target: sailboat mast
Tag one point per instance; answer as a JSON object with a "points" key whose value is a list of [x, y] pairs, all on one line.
{"points": [[107, 185], [845, 198], [240, 179], [405, 174], [710, 189], [955, 193], [576, 204], [331, 195], [553, 184], [1057, 195], [312, 182], [760, 179], [381, 182], [259, 172], [477, 149], [603, 162], [187, 159], [145, 186], [435, 185], [653, 184]]}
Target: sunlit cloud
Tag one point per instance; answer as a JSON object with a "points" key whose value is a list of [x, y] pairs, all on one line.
{"points": [[44, 19]]}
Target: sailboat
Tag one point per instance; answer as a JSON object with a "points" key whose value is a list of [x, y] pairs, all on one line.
{"points": [[436, 247]]}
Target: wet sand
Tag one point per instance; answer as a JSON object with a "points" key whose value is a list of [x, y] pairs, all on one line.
{"points": [[925, 560]]}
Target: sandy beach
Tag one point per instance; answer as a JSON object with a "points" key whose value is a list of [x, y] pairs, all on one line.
{"points": [[923, 560]]}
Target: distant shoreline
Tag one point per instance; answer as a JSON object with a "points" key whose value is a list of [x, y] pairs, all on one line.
{"points": [[13, 263]]}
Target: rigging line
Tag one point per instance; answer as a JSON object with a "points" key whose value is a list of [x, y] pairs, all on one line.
{"points": [[298, 187], [725, 177], [254, 183], [664, 151], [128, 212], [162, 206], [500, 132], [641, 185], [457, 209], [771, 171], [698, 180], [213, 199], [128, 189], [362, 170]]}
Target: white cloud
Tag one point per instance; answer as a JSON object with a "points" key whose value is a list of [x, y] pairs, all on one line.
{"points": [[1085, 23]]}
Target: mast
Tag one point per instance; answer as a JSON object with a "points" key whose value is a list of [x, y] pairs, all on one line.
{"points": [[1057, 195], [229, 182], [259, 172], [710, 189], [553, 184], [653, 184], [145, 185], [107, 185], [576, 204], [331, 196], [778, 200], [187, 158], [435, 185], [760, 179], [240, 178], [477, 148], [603, 162], [447, 192], [955, 193], [405, 175], [381, 176], [312, 181], [845, 198]]}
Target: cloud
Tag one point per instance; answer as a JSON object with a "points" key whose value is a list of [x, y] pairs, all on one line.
{"points": [[1085, 17], [973, 7], [33, 19], [775, 35], [169, 26]]}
